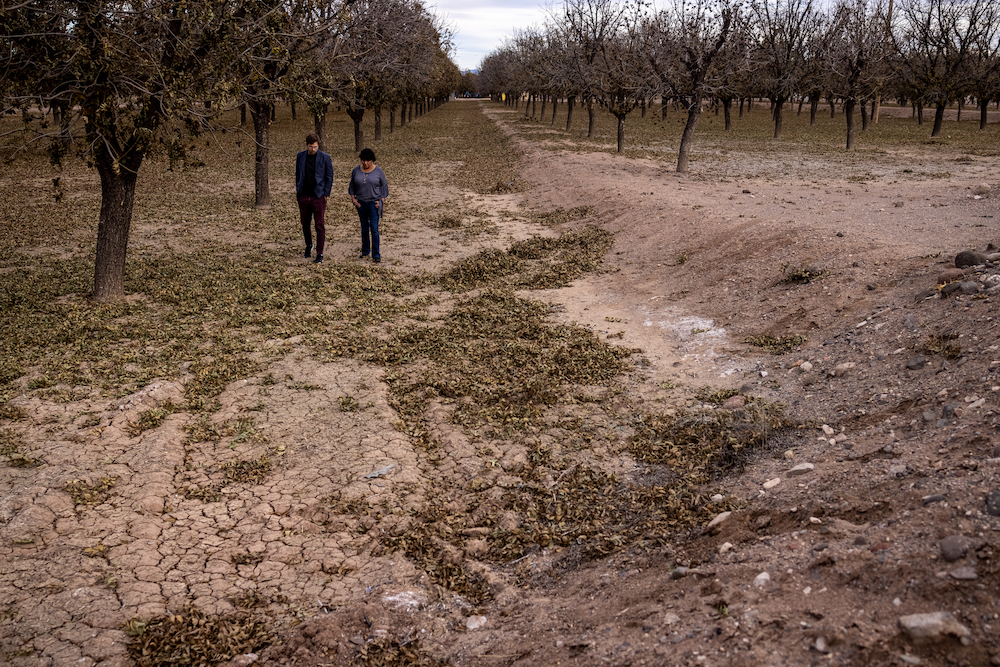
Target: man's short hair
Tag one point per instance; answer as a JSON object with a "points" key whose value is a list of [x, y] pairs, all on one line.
{"points": [[311, 139]]}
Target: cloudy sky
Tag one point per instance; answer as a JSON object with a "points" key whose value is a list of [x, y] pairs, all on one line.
{"points": [[481, 26]]}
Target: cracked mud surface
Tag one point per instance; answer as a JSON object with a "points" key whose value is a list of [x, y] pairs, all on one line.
{"points": [[308, 498]]}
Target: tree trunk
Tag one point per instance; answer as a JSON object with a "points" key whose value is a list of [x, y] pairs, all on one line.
{"points": [[741, 107], [876, 107], [694, 111], [319, 125], [392, 119], [260, 112], [555, 103], [663, 109], [982, 113], [542, 114], [292, 105], [117, 199], [833, 107], [642, 105], [243, 115], [958, 117], [621, 132], [357, 114], [777, 104], [813, 108], [570, 103], [61, 116], [378, 123], [938, 118], [802, 102], [591, 114], [849, 113], [864, 117], [727, 111], [920, 113], [534, 102]]}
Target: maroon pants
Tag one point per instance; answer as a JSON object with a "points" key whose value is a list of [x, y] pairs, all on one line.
{"points": [[313, 207]]}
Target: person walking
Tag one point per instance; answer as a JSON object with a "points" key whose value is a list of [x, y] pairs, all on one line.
{"points": [[369, 189], [313, 181]]}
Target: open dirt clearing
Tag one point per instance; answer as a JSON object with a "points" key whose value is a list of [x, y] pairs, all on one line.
{"points": [[494, 450]]}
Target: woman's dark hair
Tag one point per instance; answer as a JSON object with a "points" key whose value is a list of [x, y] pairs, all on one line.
{"points": [[367, 154]]}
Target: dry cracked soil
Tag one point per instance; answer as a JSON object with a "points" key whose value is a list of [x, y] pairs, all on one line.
{"points": [[861, 527]]}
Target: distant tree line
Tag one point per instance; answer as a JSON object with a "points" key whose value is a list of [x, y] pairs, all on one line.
{"points": [[622, 55], [113, 80]]}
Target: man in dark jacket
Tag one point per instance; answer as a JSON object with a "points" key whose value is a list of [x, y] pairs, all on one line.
{"points": [[313, 180]]}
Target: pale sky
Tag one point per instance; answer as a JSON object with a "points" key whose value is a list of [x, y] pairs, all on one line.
{"points": [[481, 26]]}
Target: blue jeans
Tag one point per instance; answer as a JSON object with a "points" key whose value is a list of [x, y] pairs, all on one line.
{"points": [[369, 214]]}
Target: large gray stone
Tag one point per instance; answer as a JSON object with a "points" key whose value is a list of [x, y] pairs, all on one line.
{"points": [[969, 258]]}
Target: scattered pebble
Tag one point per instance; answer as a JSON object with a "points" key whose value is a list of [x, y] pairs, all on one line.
{"points": [[932, 625], [950, 276], [719, 518], [842, 369], [954, 547], [964, 574], [993, 503], [737, 402], [381, 472]]}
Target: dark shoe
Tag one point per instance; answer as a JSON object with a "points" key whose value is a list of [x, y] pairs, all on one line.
{"points": [[318, 260], [309, 251], [377, 260]]}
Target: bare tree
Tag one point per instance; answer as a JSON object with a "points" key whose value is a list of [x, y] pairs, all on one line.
{"points": [[937, 41], [985, 64], [683, 42], [119, 78], [609, 65], [735, 67], [267, 41], [855, 53], [782, 30]]}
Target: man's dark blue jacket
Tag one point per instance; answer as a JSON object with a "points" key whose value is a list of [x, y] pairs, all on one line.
{"points": [[324, 175]]}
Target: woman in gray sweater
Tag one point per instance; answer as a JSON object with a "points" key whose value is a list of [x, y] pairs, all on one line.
{"points": [[369, 189]]}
